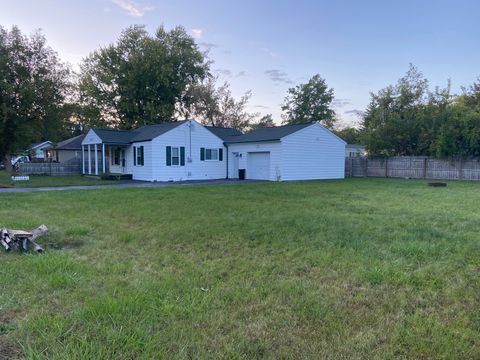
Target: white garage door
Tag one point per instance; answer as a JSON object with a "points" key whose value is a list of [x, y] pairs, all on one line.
{"points": [[258, 166]]}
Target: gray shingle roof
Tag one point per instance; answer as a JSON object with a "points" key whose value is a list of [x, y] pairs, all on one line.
{"points": [[74, 143], [267, 134], [223, 133], [110, 136], [145, 133]]}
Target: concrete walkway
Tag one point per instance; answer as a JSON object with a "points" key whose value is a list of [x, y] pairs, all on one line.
{"points": [[129, 184]]}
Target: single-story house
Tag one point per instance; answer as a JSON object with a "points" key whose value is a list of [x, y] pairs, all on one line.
{"points": [[187, 150], [66, 150], [355, 150], [37, 150]]}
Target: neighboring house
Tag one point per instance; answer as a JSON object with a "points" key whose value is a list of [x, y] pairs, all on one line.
{"points": [[66, 150], [187, 150], [37, 150], [355, 150]]}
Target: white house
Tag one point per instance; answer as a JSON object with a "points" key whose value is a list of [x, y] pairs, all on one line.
{"points": [[187, 150], [38, 149]]}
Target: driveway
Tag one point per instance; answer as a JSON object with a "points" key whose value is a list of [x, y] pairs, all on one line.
{"points": [[131, 184]]}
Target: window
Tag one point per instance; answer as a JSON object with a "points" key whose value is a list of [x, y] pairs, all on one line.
{"points": [[175, 156], [138, 156], [211, 154]]}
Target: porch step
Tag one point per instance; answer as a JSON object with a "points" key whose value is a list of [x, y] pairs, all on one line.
{"points": [[117, 177]]}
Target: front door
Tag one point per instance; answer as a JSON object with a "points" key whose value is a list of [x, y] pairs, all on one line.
{"points": [[235, 165]]}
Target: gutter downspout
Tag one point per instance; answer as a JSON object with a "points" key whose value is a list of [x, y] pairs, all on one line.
{"points": [[226, 157]]}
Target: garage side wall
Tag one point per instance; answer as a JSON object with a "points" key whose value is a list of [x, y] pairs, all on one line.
{"points": [[313, 153], [241, 152]]}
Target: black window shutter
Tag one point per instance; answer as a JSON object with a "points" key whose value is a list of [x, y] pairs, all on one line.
{"points": [[169, 156], [135, 156], [220, 154], [142, 155], [202, 154], [182, 156]]}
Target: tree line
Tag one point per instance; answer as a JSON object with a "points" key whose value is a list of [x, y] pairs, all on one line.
{"points": [[409, 119], [145, 78], [138, 80]]}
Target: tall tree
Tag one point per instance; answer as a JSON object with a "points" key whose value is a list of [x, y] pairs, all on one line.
{"points": [[350, 134], [141, 79], [309, 102], [33, 87], [471, 96], [216, 106], [263, 122], [391, 124]]}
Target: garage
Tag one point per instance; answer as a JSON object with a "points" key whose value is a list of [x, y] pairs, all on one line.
{"points": [[258, 166]]}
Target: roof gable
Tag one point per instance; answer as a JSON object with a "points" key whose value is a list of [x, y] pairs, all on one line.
{"points": [[149, 132], [39, 144]]}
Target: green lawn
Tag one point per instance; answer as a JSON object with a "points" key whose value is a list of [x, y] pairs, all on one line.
{"points": [[46, 180], [361, 268]]}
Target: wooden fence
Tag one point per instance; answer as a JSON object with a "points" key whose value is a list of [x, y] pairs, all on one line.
{"points": [[414, 167], [73, 167]]}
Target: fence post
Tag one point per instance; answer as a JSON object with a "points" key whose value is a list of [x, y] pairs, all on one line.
{"points": [[386, 167], [366, 167], [425, 168], [460, 170]]}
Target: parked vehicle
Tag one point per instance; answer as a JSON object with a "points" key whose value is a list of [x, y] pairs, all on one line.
{"points": [[16, 161]]}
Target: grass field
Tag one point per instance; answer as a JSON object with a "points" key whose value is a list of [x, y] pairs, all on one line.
{"points": [[45, 180], [361, 268]]}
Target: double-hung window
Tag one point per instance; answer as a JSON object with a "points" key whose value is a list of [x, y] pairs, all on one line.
{"points": [[175, 155], [138, 156], [207, 154], [211, 154]]}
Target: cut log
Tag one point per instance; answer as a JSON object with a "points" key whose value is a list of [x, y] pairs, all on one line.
{"points": [[22, 238]]}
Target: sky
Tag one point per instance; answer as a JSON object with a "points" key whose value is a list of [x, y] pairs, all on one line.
{"points": [[268, 46]]}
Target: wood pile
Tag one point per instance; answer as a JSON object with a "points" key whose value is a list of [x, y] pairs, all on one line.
{"points": [[22, 240]]}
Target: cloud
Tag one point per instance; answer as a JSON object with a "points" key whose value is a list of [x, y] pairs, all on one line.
{"points": [[223, 72], [278, 76], [355, 112], [197, 33], [261, 106], [271, 53], [340, 103], [241, 73], [207, 46], [132, 8]]}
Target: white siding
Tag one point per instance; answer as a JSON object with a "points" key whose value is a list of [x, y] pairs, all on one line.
{"points": [[91, 138], [274, 148], [140, 172], [313, 153], [194, 169]]}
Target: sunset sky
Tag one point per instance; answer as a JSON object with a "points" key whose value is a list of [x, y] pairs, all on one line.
{"points": [[269, 46]]}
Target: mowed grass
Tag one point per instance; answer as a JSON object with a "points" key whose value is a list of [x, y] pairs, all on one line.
{"points": [[46, 180], [357, 269]]}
